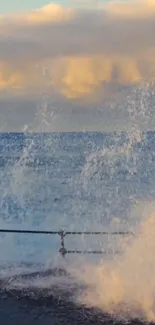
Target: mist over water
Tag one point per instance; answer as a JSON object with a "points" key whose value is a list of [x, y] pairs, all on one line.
{"points": [[84, 181]]}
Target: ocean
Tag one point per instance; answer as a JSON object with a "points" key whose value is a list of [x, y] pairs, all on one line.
{"points": [[75, 182]]}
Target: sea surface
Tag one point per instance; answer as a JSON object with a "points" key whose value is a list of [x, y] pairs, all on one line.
{"points": [[71, 182]]}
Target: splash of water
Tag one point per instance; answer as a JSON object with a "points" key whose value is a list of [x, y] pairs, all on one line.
{"points": [[125, 287]]}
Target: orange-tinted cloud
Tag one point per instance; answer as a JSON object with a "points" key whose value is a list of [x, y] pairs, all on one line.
{"points": [[131, 9], [84, 53]]}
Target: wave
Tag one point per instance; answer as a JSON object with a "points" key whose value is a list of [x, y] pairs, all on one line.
{"points": [[51, 295]]}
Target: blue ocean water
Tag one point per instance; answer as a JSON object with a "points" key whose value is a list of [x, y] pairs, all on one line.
{"points": [[71, 181]]}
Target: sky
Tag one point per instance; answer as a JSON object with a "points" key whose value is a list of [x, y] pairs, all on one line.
{"points": [[65, 69], [19, 5]]}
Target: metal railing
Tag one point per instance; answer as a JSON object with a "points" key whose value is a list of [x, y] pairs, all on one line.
{"points": [[63, 251]]}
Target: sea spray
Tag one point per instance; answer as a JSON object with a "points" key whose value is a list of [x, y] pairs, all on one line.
{"points": [[125, 287], [21, 183]]}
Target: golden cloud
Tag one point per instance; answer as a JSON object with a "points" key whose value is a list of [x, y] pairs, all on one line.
{"points": [[131, 9], [80, 61], [49, 13], [77, 77], [82, 76]]}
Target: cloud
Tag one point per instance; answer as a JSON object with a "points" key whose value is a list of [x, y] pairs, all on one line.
{"points": [[50, 13], [131, 9], [78, 54]]}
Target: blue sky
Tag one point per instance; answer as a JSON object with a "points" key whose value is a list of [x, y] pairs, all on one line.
{"points": [[19, 5]]}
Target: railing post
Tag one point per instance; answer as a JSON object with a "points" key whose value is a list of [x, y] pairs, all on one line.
{"points": [[62, 250]]}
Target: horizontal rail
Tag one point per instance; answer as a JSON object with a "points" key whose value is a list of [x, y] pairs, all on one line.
{"points": [[18, 231], [49, 232], [77, 251], [63, 251], [98, 233]]}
